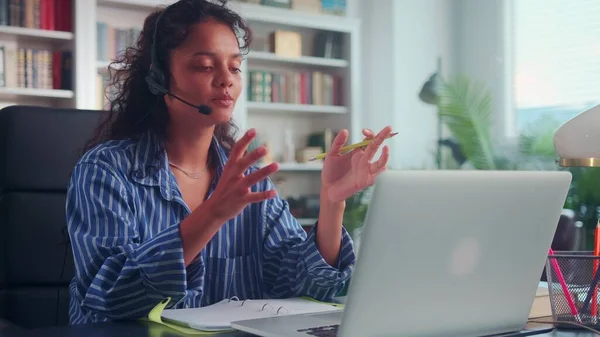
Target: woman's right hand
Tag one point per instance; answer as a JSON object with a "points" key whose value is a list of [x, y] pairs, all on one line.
{"points": [[231, 195], [233, 191]]}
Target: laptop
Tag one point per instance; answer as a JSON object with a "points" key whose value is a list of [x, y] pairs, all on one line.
{"points": [[443, 253]]}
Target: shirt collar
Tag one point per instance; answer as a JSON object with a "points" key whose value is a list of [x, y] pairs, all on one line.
{"points": [[151, 165]]}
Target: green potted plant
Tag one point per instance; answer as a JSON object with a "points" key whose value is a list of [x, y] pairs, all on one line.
{"points": [[355, 212], [465, 107]]}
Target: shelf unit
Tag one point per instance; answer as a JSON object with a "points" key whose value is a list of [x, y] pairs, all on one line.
{"points": [[33, 33], [272, 119], [259, 56], [13, 91], [33, 92], [307, 221], [295, 108], [300, 167]]}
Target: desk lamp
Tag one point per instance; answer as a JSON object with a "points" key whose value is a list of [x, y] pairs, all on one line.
{"points": [[577, 142], [430, 94]]}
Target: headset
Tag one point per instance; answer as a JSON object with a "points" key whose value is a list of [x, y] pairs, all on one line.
{"points": [[156, 77]]}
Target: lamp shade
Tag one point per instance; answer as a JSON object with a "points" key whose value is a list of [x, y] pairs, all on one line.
{"points": [[577, 142]]}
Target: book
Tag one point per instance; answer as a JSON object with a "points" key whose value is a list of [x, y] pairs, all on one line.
{"points": [[218, 316]]}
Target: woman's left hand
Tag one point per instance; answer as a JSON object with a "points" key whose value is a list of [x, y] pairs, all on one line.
{"points": [[345, 174]]}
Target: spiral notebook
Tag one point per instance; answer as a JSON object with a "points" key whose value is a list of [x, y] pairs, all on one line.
{"points": [[218, 316]]}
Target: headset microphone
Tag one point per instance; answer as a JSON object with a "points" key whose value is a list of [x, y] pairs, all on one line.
{"points": [[156, 77], [203, 109]]}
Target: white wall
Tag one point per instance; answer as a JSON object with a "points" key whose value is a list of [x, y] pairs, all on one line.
{"points": [[402, 40], [377, 72], [482, 41]]}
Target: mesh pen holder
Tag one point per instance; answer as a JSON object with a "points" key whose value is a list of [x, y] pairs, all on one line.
{"points": [[571, 281]]}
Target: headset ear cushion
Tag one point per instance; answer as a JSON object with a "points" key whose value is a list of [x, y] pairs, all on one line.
{"points": [[156, 80]]}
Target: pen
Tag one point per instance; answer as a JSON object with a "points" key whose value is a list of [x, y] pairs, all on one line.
{"points": [[563, 284], [596, 254], [350, 147], [592, 292]]}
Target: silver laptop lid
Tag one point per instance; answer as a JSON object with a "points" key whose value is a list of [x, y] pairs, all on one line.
{"points": [[455, 253]]}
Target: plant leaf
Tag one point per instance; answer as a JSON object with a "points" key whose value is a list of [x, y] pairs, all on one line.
{"points": [[538, 140], [465, 108]]}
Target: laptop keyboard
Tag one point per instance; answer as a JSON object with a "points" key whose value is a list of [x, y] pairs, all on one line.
{"points": [[322, 331]]}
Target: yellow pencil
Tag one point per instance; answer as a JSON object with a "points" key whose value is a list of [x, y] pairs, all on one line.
{"points": [[350, 147]]}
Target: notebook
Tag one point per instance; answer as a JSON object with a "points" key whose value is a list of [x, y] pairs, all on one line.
{"points": [[218, 316]]}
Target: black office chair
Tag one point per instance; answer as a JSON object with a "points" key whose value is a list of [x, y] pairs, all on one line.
{"points": [[38, 148]]}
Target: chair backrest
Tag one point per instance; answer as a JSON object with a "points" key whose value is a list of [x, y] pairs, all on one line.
{"points": [[39, 147]]}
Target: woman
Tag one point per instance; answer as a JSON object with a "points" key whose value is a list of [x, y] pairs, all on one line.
{"points": [[166, 204]]}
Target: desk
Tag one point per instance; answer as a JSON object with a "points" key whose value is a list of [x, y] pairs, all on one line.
{"points": [[147, 329], [120, 329]]}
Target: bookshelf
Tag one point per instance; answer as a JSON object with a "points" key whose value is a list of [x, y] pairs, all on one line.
{"points": [[300, 167], [300, 112], [23, 33], [258, 56], [33, 92], [294, 108], [36, 53]]}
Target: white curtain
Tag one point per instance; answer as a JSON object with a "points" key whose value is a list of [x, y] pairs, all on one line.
{"points": [[556, 53]]}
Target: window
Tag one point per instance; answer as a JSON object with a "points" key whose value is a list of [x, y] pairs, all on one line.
{"points": [[556, 59]]}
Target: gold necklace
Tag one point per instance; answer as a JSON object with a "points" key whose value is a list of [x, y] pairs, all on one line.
{"points": [[193, 175]]}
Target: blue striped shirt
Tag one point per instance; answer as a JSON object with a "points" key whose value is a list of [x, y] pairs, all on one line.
{"points": [[123, 213]]}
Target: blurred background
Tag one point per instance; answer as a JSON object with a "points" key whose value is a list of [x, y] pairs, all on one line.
{"points": [[497, 77], [468, 84]]}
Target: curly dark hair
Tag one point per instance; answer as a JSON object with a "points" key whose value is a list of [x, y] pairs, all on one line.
{"points": [[133, 109]]}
